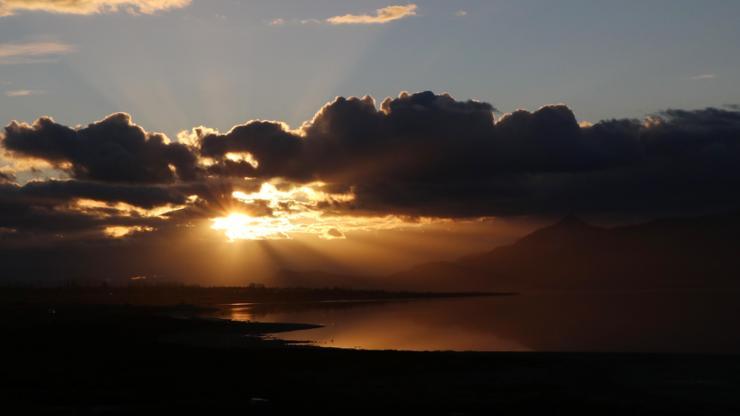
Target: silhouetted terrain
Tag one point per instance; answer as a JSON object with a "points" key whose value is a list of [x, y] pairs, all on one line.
{"points": [[168, 295], [114, 360], [89, 350], [675, 254]]}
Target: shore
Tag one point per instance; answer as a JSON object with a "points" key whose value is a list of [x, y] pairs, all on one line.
{"points": [[181, 295], [124, 359]]}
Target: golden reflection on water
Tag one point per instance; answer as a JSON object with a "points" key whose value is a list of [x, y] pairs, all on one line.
{"points": [[634, 322], [239, 313], [407, 325]]}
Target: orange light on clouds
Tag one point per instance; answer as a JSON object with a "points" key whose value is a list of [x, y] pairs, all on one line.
{"points": [[381, 16], [123, 209], [243, 157], [244, 227], [9, 7], [121, 231], [302, 210]]}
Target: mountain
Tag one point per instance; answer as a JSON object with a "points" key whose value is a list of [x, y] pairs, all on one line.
{"points": [[682, 253]]}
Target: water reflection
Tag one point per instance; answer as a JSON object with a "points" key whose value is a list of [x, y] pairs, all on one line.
{"points": [[647, 322], [238, 312]]}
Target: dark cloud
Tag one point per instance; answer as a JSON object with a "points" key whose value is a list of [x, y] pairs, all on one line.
{"points": [[51, 206], [6, 177], [416, 155], [143, 196], [44, 223], [44, 209], [277, 150], [353, 137], [428, 154], [111, 150]]}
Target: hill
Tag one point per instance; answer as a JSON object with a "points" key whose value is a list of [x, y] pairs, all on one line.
{"points": [[680, 253]]}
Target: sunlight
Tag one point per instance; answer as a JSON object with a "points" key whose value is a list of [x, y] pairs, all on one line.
{"points": [[238, 226], [122, 231], [243, 157], [297, 198], [107, 209], [296, 209], [304, 209]]}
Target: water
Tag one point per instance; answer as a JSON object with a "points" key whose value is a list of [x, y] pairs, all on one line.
{"points": [[703, 322]]}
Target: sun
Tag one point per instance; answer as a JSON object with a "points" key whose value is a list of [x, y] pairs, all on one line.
{"points": [[239, 226], [299, 210]]}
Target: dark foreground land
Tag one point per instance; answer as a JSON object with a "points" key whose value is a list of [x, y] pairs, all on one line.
{"points": [[114, 359]]}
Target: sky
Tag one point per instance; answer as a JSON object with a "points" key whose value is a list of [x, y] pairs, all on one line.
{"points": [[223, 140], [222, 62]]}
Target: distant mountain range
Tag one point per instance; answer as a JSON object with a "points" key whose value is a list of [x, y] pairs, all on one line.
{"points": [[680, 253]]}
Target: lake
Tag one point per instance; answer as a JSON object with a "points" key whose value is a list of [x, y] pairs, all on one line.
{"points": [[701, 322]]}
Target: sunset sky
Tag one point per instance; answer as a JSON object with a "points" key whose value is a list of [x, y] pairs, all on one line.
{"points": [[241, 136]]}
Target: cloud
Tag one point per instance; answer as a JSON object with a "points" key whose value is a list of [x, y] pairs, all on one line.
{"points": [[63, 191], [283, 22], [703, 76], [47, 208], [360, 165], [28, 52], [430, 155], [85, 7], [23, 93], [112, 150], [333, 234], [6, 177], [381, 16], [270, 142], [421, 159]]}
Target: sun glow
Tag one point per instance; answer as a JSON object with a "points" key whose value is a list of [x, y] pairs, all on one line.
{"points": [[300, 209], [121, 231], [106, 209], [297, 198], [244, 227], [243, 157]]}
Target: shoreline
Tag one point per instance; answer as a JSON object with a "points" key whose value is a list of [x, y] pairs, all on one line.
{"points": [[127, 359]]}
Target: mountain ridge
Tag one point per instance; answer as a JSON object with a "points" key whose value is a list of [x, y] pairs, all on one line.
{"points": [[571, 254]]}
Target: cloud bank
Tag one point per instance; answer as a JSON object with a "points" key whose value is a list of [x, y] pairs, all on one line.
{"points": [[85, 7], [111, 150], [418, 156], [431, 155]]}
